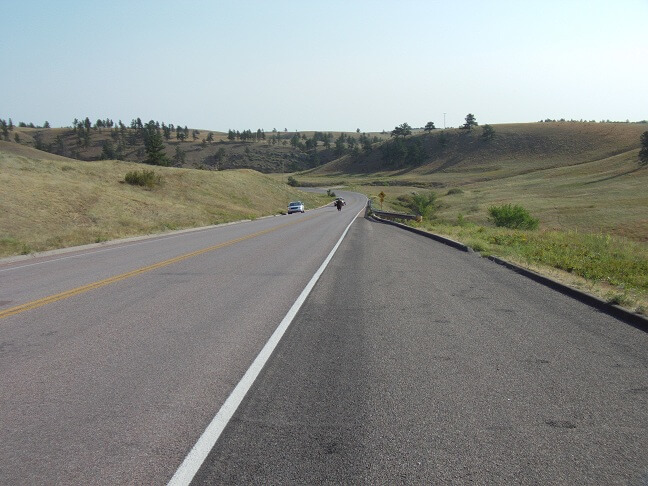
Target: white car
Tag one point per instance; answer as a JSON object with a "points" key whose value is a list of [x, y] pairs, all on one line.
{"points": [[296, 207]]}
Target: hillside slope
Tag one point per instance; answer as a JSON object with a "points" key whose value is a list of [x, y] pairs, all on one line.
{"points": [[50, 202], [572, 176], [604, 196], [203, 149], [459, 156]]}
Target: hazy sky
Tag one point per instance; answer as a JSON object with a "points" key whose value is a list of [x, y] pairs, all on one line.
{"points": [[322, 65]]}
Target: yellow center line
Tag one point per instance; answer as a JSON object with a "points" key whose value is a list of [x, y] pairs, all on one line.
{"points": [[102, 283]]}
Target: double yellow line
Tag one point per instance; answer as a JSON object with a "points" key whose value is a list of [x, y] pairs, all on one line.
{"points": [[102, 283]]}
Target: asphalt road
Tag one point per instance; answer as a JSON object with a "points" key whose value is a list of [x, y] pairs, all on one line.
{"points": [[113, 382], [409, 363], [414, 363]]}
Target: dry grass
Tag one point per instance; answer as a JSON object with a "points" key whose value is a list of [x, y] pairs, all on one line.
{"points": [[515, 150], [581, 180], [572, 176], [47, 203], [606, 196]]}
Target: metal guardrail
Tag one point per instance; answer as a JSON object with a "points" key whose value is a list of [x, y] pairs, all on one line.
{"points": [[392, 216]]}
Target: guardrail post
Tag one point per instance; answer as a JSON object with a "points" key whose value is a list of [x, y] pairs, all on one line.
{"points": [[368, 209]]}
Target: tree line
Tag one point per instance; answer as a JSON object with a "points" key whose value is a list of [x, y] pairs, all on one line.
{"points": [[153, 134], [406, 150]]}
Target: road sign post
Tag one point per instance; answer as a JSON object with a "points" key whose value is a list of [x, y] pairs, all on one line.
{"points": [[381, 196]]}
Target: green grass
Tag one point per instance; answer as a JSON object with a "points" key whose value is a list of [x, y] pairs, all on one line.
{"points": [[14, 246]]}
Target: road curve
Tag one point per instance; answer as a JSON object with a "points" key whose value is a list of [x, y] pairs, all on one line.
{"points": [[414, 363], [114, 359]]}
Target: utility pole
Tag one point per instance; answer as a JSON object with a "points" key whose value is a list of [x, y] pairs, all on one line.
{"points": [[444, 120]]}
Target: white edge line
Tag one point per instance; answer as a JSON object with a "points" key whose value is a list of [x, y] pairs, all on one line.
{"points": [[191, 464]]}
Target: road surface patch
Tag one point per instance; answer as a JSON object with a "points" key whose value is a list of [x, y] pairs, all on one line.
{"points": [[117, 278]]}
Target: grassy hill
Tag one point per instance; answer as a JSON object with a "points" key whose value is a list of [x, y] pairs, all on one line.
{"points": [[578, 176], [454, 156], [582, 181], [49, 201]]}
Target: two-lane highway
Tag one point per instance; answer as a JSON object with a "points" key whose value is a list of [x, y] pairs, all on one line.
{"points": [[409, 363], [114, 359]]}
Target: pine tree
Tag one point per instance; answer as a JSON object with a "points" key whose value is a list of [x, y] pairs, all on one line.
{"points": [[180, 134], [4, 127], [107, 151], [643, 153], [179, 157], [402, 130], [154, 145], [488, 132], [471, 122]]}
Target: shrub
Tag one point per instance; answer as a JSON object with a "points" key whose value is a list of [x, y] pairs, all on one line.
{"points": [[423, 204], [455, 190], [643, 153], [405, 199], [512, 216], [292, 181], [144, 178], [488, 132]]}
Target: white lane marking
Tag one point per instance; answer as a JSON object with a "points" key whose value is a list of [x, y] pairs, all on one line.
{"points": [[86, 252], [191, 464]]}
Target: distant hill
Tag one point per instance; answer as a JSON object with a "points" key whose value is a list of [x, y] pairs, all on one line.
{"points": [[571, 175], [513, 149], [203, 149]]}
